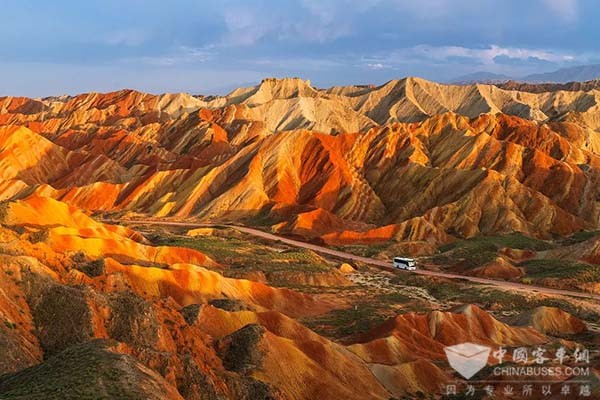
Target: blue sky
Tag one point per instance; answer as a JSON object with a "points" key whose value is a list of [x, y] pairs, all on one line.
{"points": [[68, 46]]}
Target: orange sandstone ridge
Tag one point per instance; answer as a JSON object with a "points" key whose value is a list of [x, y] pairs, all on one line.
{"points": [[422, 162]]}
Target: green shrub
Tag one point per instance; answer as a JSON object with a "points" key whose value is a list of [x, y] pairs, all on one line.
{"points": [[79, 257], [10, 325], [555, 268], [41, 235], [4, 208], [93, 268]]}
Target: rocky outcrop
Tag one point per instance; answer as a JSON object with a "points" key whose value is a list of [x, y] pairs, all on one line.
{"points": [[229, 304], [500, 268], [551, 321], [550, 87], [302, 278], [412, 336], [346, 268], [92, 369], [132, 320], [240, 351], [62, 315], [282, 352]]}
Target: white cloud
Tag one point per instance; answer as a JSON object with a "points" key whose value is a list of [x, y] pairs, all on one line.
{"points": [[322, 21], [179, 56], [476, 55], [313, 21], [126, 37], [563, 9], [434, 9], [377, 66], [244, 26], [293, 63]]}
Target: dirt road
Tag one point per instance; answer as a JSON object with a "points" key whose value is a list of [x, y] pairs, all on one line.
{"points": [[370, 261]]}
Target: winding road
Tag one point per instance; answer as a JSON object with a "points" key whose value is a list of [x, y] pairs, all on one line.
{"points": [[367, 260]]}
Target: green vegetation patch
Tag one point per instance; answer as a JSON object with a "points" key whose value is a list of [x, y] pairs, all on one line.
{"points": [[369, 312], [215, 247], [554, 268], [364, 250], [492, 243], [483, 249], [4, 208], [93, 268], [84, 371], [250, 256], [348, 322], [486, 297], [263, 218], [580, 237]]}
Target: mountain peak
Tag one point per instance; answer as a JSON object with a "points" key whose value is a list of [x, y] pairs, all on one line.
{"points": [[285, 80], [563, 75], [285, 88]]}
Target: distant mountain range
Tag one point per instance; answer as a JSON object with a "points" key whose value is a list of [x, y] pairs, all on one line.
{"points": [[481, 77], [563, 75]]}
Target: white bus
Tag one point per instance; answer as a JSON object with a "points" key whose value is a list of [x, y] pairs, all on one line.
{"points": [[408, 264]]}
